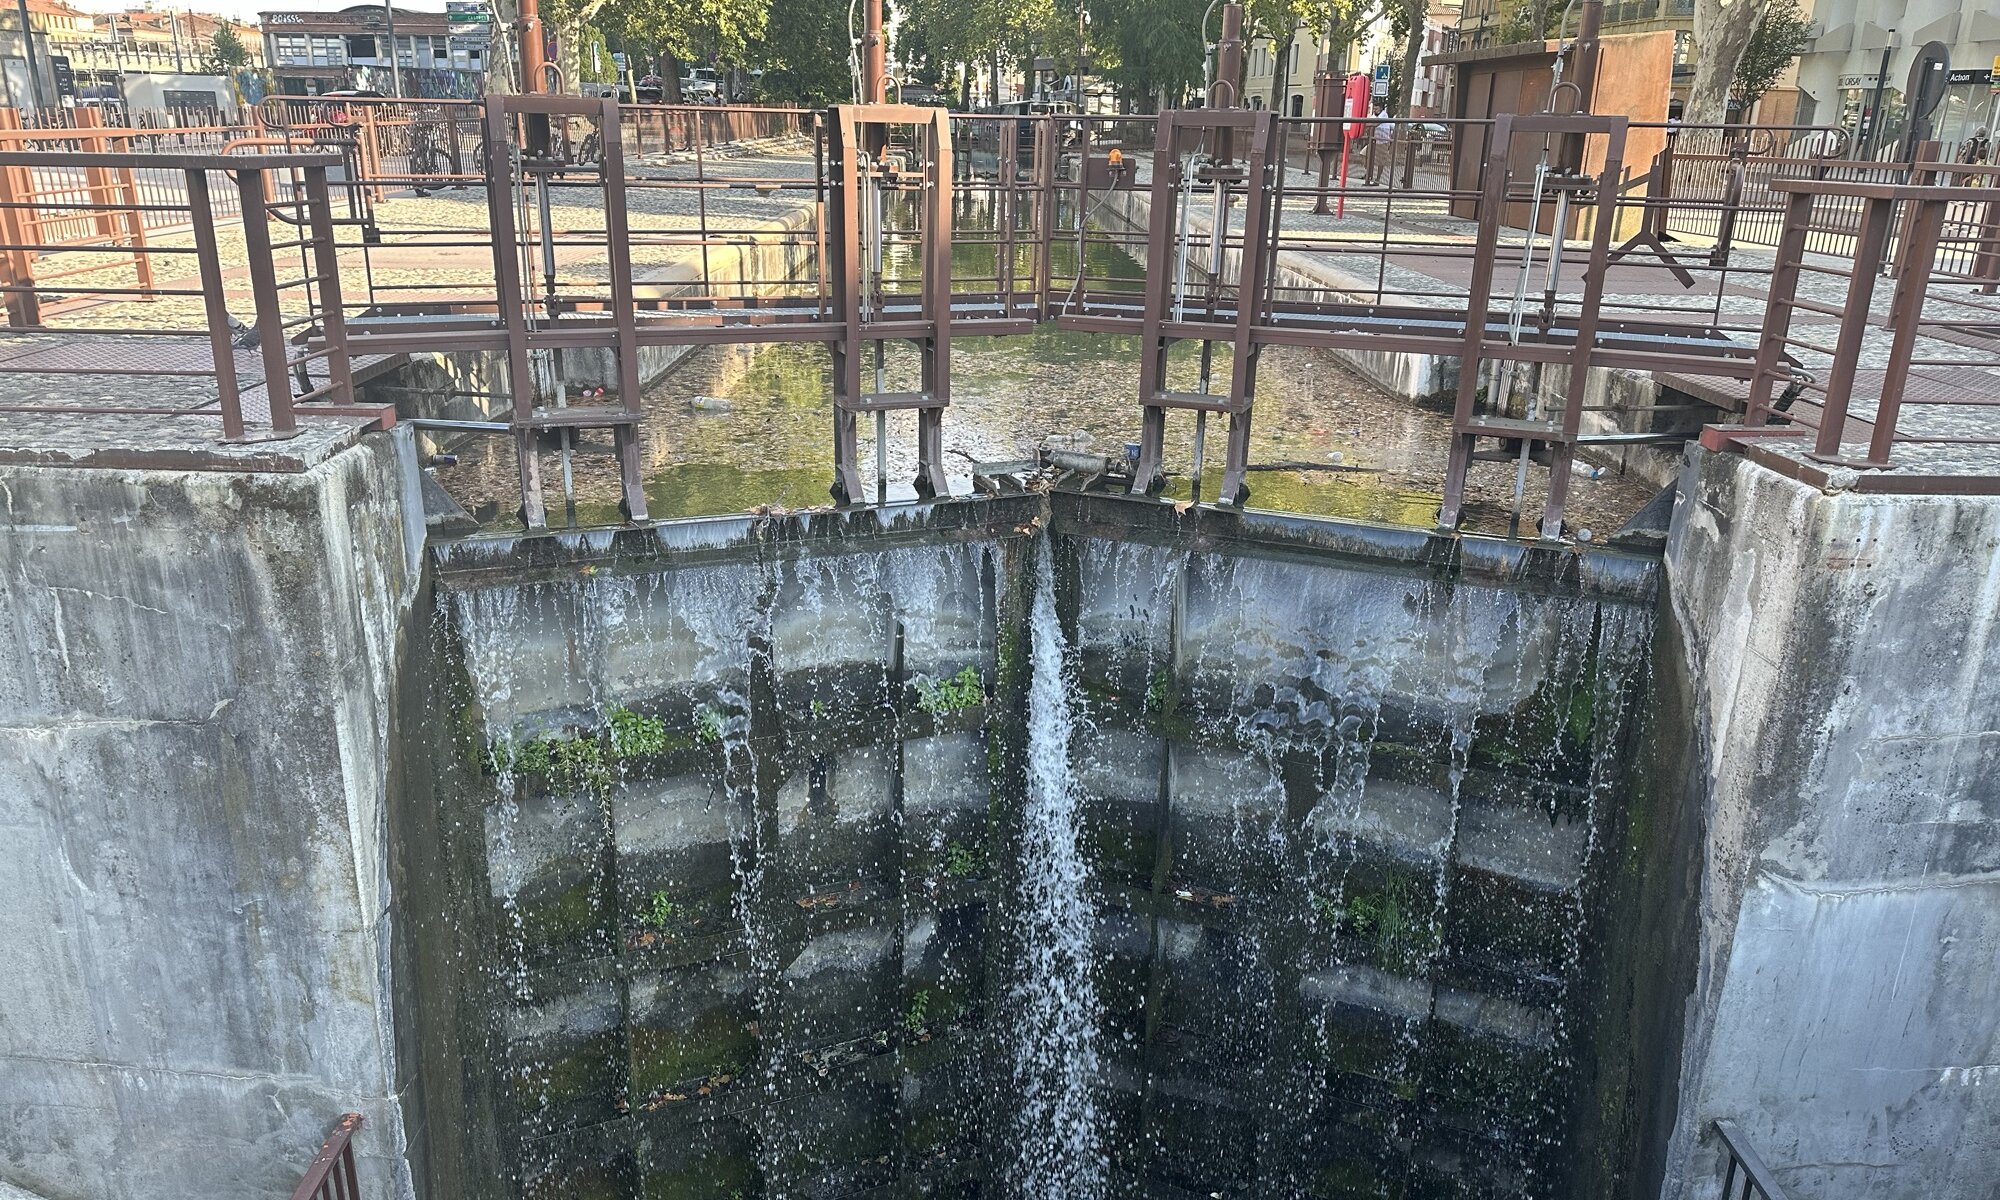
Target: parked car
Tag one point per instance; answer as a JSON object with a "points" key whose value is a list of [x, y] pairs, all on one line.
{"points": [[703, 85]]}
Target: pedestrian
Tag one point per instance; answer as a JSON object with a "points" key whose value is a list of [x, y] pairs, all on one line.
{"points": [[1382, 148], [1976, 147], [1976, 150]]}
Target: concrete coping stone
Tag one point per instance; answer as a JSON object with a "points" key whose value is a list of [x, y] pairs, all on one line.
{"points": [[1561, 570]]}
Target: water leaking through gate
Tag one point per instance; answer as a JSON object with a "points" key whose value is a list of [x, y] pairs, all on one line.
{"points": [[803, 841]]}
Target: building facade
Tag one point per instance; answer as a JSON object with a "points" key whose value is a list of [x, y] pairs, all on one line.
{"points": [[1488, 23], [151, 41], [1839, 75], [310, 53]]}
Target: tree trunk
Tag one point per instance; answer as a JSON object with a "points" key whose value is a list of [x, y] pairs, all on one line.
{"points": [[1721, 33], [670, 80], [965, 87], [1281, 74], [1413, 52], [569, 54]]}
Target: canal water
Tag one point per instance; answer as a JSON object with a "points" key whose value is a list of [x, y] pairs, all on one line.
{"points": [[734, 428]]}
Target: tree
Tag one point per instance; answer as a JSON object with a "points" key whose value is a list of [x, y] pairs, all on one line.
{"points": [[681, 31], [1407, 21], [1530, 21], [1722, 31], [1151, 48], [1781, 36], [803, 50], [226, 52], [937, 34]]}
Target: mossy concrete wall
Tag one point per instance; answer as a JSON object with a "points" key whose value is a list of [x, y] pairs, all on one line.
{"points": [[195, 699], [1844, 651]]}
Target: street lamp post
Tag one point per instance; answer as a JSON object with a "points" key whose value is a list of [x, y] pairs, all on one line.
{"points": [[1875, 100], [395, 59], [28, 55]]}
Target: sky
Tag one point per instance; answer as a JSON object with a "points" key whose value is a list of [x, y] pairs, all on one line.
{"points": [[245, 10]]}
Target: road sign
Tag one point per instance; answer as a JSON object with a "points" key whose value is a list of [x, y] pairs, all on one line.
{"points": [[64, 76], [618, 59], [467, 12]]}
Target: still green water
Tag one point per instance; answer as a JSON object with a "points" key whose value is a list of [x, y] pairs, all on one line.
{"points": [[734, 428]]}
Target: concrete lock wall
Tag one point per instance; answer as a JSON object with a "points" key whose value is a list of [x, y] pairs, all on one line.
{"points": [[195, 700], [1846, 683]]}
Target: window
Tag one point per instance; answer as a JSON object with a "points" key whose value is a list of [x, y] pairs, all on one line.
{"points": [[360, 46], [1299, 105]]}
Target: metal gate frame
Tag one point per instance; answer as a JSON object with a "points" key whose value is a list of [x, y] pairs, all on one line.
{"points": [[1165, 320], [511, 163], [1560, 436], [859, 152]]}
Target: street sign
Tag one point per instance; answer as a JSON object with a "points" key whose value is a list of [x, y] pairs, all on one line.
{"points": [[64, 76], [618, 59], [467, 12]]}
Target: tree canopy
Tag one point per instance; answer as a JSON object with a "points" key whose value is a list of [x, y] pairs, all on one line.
{"points": [[1780, 37], [225, 52], [797, 51]]}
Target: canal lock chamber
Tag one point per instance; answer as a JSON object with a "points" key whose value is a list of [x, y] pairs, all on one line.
{"points": [[1028, 846]]}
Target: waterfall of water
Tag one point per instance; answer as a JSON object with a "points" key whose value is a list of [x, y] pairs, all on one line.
{"points": [[1058, 1151]]}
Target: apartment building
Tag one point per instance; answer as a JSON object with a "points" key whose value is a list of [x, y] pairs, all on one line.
{"points": [[311, 52]]}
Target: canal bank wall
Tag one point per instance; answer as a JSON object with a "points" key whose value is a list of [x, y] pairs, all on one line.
{"points": [[196, 695], [227, 870], [1843, 656]]}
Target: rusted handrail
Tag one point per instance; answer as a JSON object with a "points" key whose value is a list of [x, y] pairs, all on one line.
{"points": [[1747, 1175], [330, 1175], [270, 338]]}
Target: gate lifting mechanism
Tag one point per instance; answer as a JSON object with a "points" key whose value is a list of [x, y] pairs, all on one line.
{"points": [[1548, 437], [1200, 150], [882, 153], [534, 129]]}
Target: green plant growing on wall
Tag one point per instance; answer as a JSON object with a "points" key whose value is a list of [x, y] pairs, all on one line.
{"points": [[962, 861], [1326, 908], [634, 736], [1156, 691], [584, 758], [1396, 938], [708, 725], [820, 710], [918, 1014], [940, 697], [659, 911]]}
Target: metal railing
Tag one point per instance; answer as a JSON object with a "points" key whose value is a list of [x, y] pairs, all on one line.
{"points": [[1746, 1176], [1932, 346], [129, 303], [588, 226], [331, 1175]]}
